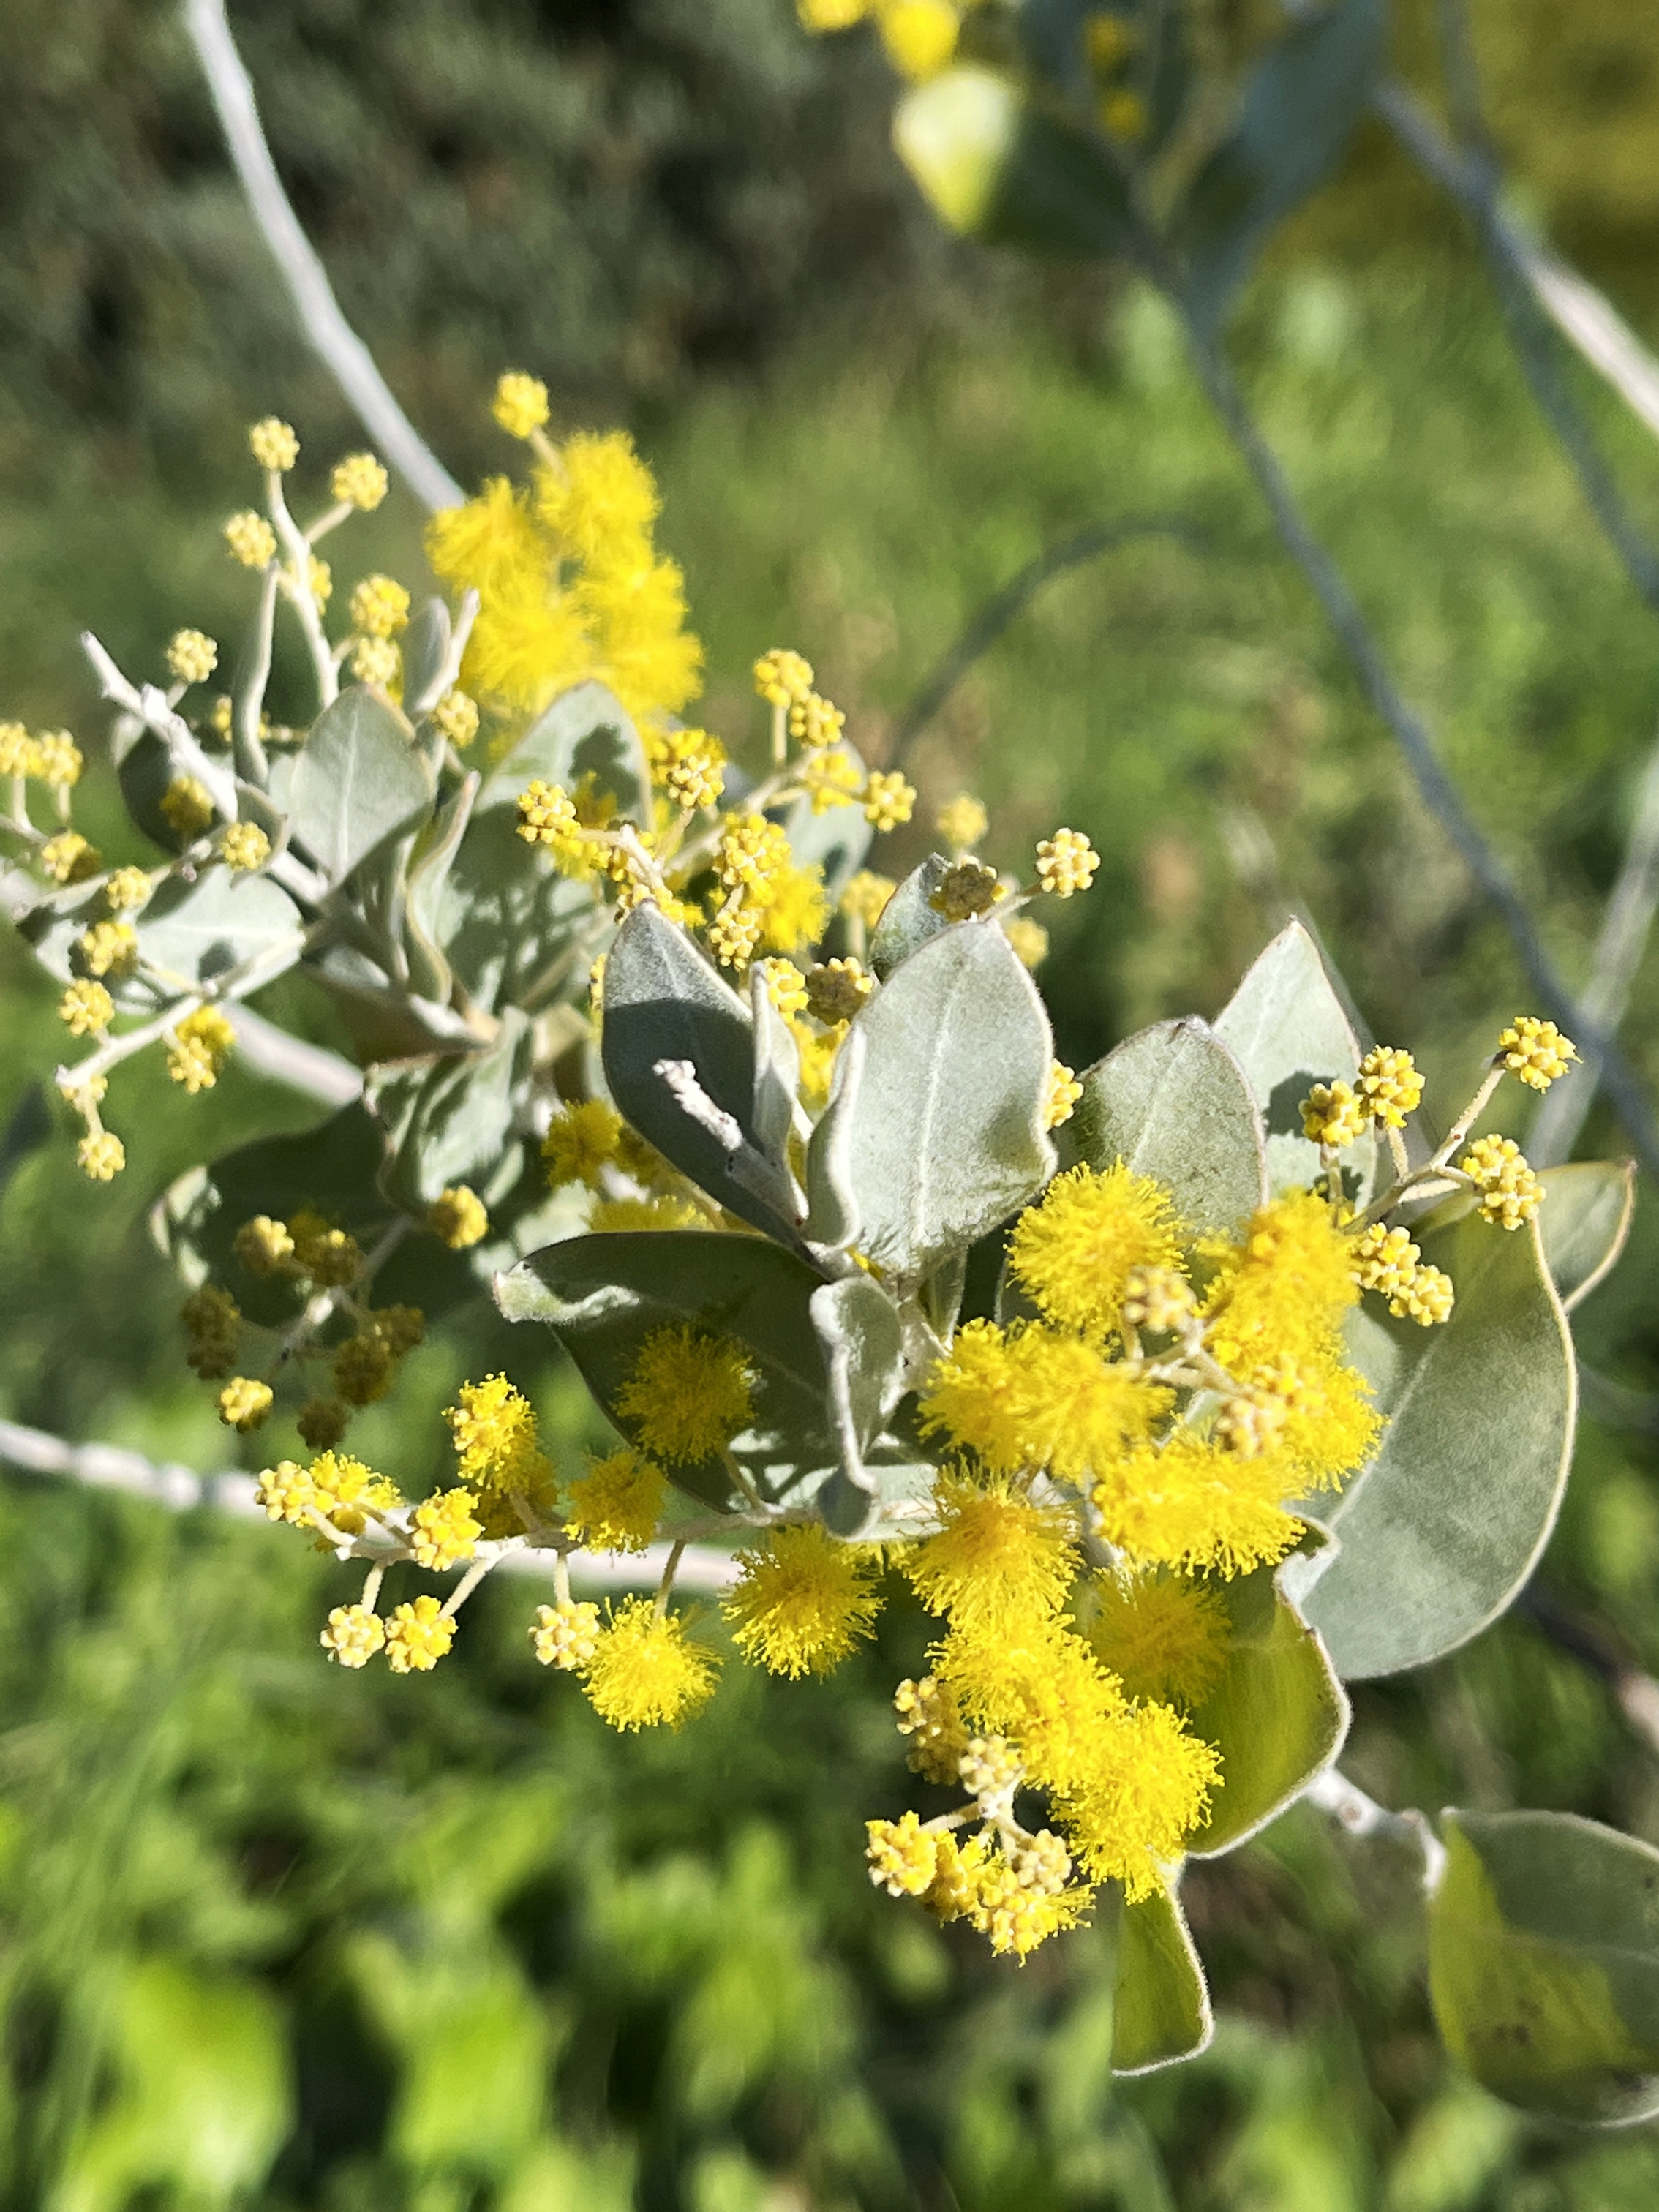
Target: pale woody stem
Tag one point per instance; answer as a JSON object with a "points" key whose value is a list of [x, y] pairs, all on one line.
{"points": [[1437, 1165], [666, 1586], [296, 583], [318, 1308], [122, 1047], [372, 1582], [1346, 1802], [463, 1589]]}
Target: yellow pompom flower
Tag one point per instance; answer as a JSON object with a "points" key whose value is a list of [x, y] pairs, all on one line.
{"points": [[359, 481], [961, 823], [245, 1405], [100, 1156], [1334, 1115], [1073, 1252], [1066, 863], [186, 807], [442, 1530], [273, 444], [646, 1672], [521, 404], [617, 1504], [201, 1044], [1165, 1636], [457, 1218], [68, 858], [251, 539], [794, 909], [417, 1637], [1284, 1289], [244, 847], [1510, 1192], [581, 1140], [380, 607], [865, 897], [903, 1855], [85, 1009], [495, 1431], [998, 1556], [192, 656], [127, 889], [1536, 1051], [457, 716], [352, 1635], [566, 1636], [1190, 1502], [800, 1606], [888, 799], [603, 499], [690, 1394], [109, 947], [1390, 1086]]}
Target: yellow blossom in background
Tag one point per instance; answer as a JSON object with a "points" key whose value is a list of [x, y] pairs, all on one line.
{"points": [[457, 1218], [16, 749], [864, 899], [191, 656], [1066, 863], [68, 858], [376, 660], [962, 823], [617, 1504], [56, 759], [1123, 114], [245, 847], [85, 1009], [1166, 1637], [888, 799], [689, 1395], [417, 1636], [251, 539], [627, 1216], [274, 445], [442, 1530], [213, 1328], [186, 807], [245, 1404], [802, 1604], [457, 716], [352, 1635], [100, 1156], [380, 607], [359, 481], [581, 1140], [521, 404], [920, 36], [1029, 938], [646, 1672], [833, 778], [322, 1422], [1536, 1051]]}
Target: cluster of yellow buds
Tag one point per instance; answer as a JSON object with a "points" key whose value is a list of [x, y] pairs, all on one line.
{"points": [[1388, 1261], [1509, 1193], [197, 1048]]}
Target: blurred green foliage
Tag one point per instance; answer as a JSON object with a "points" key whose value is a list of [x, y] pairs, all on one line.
{"points": [[277, 1936]]}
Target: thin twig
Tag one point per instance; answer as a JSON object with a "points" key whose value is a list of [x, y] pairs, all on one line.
{"points": [[1344, 1800], [341, 351], [1625, 927], [1003, 605]]}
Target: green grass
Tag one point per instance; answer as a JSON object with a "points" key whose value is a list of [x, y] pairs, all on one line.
{"points": [[448, 1945]]}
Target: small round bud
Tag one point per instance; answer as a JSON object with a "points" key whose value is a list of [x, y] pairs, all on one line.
{"points": [[1536, 1051], [263, 1246], [836, 990], [815, 722], [1333, 1115], [109, 948], [521, 404], [102, 1156], [322, 1422], [69, 857], [1389, 1085], [457, 716], [359, 481], [968, 888], [127, 889], [457, 1218], [352, 1635], [963, 822], [1510, 1193], [375, 660], [1064, 1091], [786, 987], [251, 539], [274, 445], [186, 807], [1029, 938], [566, 1636], [192, 656], [245, 1404], [1066, 863], [380, 607], [85, 1009], [244, 847], [417, 1636], [783, 679], [888, 799]]}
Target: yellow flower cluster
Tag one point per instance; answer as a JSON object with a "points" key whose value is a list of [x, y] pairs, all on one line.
{"points": [[1509, 1193], [569, 580], [198, 1048], [191, 656]]}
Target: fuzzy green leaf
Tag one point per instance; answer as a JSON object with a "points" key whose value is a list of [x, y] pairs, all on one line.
{"points": [[1544, 1963], [666, 1008], [1278, 1714], [1584, 1221], [199, 932], [947, 1134], [451, 1122], [777, 1071], [863, 1341], [908, 921], [602, 1296], [426, 650], [1161, 2010], [1438, 1533], [836, 840], [585, 734], [1173, 1102], [359, 779], [1285, 1027]]}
